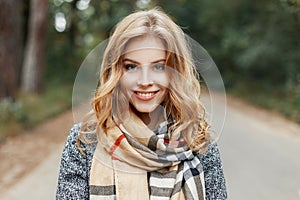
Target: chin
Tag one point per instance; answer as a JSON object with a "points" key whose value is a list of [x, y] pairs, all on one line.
{"points": [[145, 109]]}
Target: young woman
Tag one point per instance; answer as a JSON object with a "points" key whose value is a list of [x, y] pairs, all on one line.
{"points": [[146, 137]]}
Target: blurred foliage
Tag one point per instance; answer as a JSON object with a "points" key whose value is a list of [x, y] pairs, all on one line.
{"points": [[29, 110], [10, 110], [255, 45], [252, 41]]}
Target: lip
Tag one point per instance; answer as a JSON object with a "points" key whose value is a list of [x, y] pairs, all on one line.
{"points": [[145, 95]]}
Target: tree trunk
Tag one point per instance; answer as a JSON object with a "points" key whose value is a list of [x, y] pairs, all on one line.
{"points": [[73, 24], [11, 46], [34, 61]]}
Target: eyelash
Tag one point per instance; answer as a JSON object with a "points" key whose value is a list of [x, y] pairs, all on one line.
{"points": [[131, 67], [160, 66]]}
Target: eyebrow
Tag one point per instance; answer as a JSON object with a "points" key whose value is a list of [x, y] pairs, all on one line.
{"points": [[135, 62]]}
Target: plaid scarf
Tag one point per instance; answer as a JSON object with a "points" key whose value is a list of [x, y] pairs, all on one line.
{"points": [[133, 162]]}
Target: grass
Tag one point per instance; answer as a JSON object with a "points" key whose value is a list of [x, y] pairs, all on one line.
{"points": [[287, 103], [52, 103], [30, 110]]}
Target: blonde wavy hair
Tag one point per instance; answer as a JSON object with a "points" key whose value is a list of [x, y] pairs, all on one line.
{"points": [[182, 102]]}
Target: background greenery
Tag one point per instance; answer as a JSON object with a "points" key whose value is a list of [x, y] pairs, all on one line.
{"points": [[254, 43]]}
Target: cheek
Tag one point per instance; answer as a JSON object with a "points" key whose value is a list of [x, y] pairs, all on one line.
{"points": [[167, 81], [126, 83], [162, 79]]}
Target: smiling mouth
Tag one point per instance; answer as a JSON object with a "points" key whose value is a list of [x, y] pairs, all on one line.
{"points": [[145, 95]]}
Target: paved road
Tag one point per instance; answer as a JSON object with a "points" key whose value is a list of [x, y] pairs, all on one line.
{"points": [[40, 184], [260, 156]]}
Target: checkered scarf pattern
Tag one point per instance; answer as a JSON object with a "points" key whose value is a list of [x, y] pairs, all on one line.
{"points": [[133, 162]]}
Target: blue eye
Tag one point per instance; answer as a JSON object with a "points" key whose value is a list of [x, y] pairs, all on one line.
{"points": [[130, 67], [159, 67]]}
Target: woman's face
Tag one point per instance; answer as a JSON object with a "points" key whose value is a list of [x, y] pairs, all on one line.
{"points": [[145, 79]]}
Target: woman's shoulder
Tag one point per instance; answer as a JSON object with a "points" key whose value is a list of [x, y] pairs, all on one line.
{"points": [[211, 155], [74, 143], [74, 132], [74, 168], [213, 173]]}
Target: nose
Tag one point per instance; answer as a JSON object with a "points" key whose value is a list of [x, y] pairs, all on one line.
{"points": [[145, 78]]}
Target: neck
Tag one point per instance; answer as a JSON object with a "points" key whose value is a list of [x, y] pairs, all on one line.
{"points": [[151, 119]]}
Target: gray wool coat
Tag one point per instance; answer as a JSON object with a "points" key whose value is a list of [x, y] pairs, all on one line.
{"points": [[73, 180]]}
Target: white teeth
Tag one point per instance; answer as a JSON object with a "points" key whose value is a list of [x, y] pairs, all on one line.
{"points": [[145, 94]]}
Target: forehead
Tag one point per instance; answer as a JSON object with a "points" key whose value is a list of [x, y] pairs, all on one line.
{"points": [[143, 43]]}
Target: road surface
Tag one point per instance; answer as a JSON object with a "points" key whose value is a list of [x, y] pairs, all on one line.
{"points": [[260, 156], [260, 153]]}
